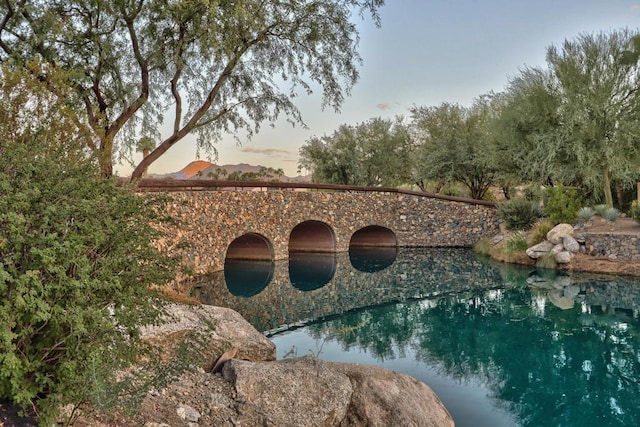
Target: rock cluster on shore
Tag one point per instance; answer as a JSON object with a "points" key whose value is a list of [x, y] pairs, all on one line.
{"points": [[255, 389], [560, 244]]}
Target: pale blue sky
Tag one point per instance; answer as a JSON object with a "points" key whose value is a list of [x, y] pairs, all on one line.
{"points": [[426, 52]]}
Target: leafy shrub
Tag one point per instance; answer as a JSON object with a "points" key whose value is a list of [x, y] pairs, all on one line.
{"points": [[452, 190], [76, 262], [562, 204], [518, 213], [634, 211]]}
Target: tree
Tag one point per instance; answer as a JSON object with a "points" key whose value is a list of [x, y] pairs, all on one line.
{"points": [[77, 259], [374, 153], [219, 66], [584, 111], [455, 145]]}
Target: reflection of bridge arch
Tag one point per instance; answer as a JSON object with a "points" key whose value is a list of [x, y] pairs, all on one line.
{"points": [[251, 246], [312, 236], [373, 235]]}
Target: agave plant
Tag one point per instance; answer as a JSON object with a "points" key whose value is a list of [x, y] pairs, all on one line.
{"points": [[585, 214], [611, 215], [600, 209]]}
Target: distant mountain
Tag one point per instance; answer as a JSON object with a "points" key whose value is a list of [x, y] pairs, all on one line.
{"points": [[201, 169]]}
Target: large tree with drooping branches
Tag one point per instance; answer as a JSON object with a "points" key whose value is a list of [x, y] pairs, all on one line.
{"points": [[214, 67]]}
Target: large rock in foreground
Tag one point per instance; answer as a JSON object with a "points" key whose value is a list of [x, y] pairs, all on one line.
{"points": [[261, 391], [309, 392]]}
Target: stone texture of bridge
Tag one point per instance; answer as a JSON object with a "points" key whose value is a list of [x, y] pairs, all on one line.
{"points": [[269, 224]]}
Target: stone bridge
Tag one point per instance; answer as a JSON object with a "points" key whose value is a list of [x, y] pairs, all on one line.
{"points": [[246, 222]]}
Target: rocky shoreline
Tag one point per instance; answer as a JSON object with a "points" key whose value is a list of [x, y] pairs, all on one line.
{"points": [[254, 389]]}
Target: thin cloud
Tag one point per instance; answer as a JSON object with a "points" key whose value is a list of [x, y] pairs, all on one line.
{"points": [[635, 7], [269, 152], [386, 106]]}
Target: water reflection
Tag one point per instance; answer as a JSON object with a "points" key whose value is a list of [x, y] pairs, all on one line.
{"points": [[247, 278], [370, 259], [555, 367], [538, 347], [311, 270]]}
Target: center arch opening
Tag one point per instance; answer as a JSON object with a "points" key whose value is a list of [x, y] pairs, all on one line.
{"points": [[373, 248], [312, 236]]}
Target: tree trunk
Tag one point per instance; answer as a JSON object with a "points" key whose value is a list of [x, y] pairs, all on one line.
{"points": [[608, 196], [105, 160]]}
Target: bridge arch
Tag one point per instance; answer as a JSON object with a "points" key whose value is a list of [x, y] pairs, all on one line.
{"points": [[373, 248], [373, 236], [312, 236], [250, 246]]}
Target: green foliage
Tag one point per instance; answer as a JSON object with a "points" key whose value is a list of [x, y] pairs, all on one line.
{"points": [[378, 152], [518, 213], [576, 121], [634, 211], [455, 145], [77, 260], [562, 204], [516, 242], [540, 230]]}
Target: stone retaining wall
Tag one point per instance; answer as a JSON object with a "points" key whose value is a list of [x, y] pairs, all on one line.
{"points": [[615, 246], [211, 220]]}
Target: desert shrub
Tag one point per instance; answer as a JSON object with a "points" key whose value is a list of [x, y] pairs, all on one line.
{"points": [[562, 204], [482, 247], [518, 213], [77, 259], [547, 261], [540, 230], [634, 211], [516, 242], [532, 192]]}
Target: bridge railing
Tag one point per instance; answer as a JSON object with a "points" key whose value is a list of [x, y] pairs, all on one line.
{"points": [[155, 185]]}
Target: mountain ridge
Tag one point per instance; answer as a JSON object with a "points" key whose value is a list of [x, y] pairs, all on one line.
{"points": [[202, 169]]}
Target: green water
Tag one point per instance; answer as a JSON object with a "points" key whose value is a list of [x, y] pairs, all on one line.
{"points": [[501, 346]]}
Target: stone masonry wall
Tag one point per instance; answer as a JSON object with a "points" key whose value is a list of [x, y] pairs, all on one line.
{"points": [[623, 247], [211, 220]]}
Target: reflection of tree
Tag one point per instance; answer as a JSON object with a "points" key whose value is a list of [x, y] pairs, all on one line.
{"points": [[550, 366]]}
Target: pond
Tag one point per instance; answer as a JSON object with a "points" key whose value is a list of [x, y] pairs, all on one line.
{"points": [[501, 345]]}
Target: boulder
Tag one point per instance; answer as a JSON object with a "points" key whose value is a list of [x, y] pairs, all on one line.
{"points": [[564, 257], [384, 398], [308, 391], [540, 250], [219, 327], [557, 248], [571, 244], [556, 234], [292, 392]]}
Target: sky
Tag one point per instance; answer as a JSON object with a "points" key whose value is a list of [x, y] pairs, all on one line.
{"points": [[425, 53]]}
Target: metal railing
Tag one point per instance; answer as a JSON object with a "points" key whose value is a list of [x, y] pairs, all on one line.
{"points": [[155, 185]]}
